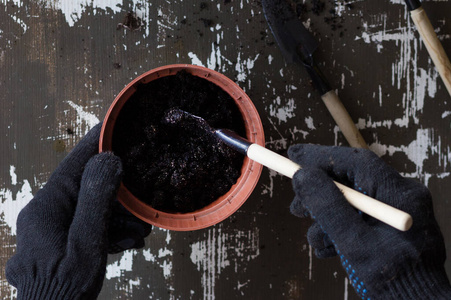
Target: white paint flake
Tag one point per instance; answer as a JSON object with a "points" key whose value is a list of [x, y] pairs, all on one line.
{"points": [[244, 66], [284, 111], [195, 60], [220, 250], [12, 173], [310, 262], [240, 286], [167, 22], [276, 144], [346, 294], [294, 131], [148, 255], [380, 95], [269, 188], [163, 257], [405, 71], [117, 268], [168, 236], [83, 117], [73, 10], [416, 83], [309, 122], [217, 61], [166, 265], [12, 203], [425, 146]]}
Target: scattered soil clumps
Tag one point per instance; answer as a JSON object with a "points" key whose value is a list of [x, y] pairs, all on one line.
{"points": [[207, 22], [131, 22], [177, 168], [301, 10], [203, 5], [317, 7]]}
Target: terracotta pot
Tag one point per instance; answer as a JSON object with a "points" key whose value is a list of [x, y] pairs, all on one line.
{"points": [[224, 206]]}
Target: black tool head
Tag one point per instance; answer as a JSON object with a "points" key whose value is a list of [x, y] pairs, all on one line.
{"points": [[186, 120], [294, 40], [413, 4]]}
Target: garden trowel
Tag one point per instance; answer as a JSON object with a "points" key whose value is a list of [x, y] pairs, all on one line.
{"points": [[298, 45]]}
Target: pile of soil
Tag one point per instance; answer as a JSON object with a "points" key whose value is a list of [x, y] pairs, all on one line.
{"points": [[177, 168], [318, 7], [131, 22]]}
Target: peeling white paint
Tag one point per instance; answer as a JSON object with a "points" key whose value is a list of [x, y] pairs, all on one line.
{"points": [[244, 67], [269, 188], [195, 60], [163, 257], [168, 236], [220, 250], [84, 117], [310, 262], [417, 83], [12, 203], [276, 144], [117, 268], [418, 151], [166, 22], [12, 173], [368, 123], [282, 112], [309, 122], [346, 294], [73, 10], [148, 255], [241, 285], [424, 82]]}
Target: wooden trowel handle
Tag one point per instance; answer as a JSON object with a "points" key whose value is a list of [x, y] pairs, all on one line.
{"points": [[379, 210], [433, 45], [343, 120]]}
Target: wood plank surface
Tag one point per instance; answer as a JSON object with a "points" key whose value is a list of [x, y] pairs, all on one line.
{"points": [[63, 62]]}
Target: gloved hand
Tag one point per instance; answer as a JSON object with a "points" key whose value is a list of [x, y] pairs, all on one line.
{"points": [[381, 262], [62, 234]]}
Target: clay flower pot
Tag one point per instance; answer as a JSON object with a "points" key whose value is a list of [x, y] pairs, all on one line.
{"points": [[225, 205]]}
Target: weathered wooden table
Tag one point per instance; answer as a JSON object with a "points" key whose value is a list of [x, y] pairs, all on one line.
{"points": [[63, 62]]}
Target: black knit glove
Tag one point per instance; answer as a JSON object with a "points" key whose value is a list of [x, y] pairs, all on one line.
{"points": [[381, 262], [62, 234]]}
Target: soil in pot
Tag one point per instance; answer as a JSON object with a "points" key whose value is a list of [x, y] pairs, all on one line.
{"points": [[177, 168]]}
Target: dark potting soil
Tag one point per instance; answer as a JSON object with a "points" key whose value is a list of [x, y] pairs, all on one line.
{"points": [[131, 22], [177, 168], [317, 7]]}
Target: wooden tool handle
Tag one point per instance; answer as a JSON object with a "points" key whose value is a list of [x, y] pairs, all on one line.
{"points": [[433, 45], [343, 120], [381, 211]]}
